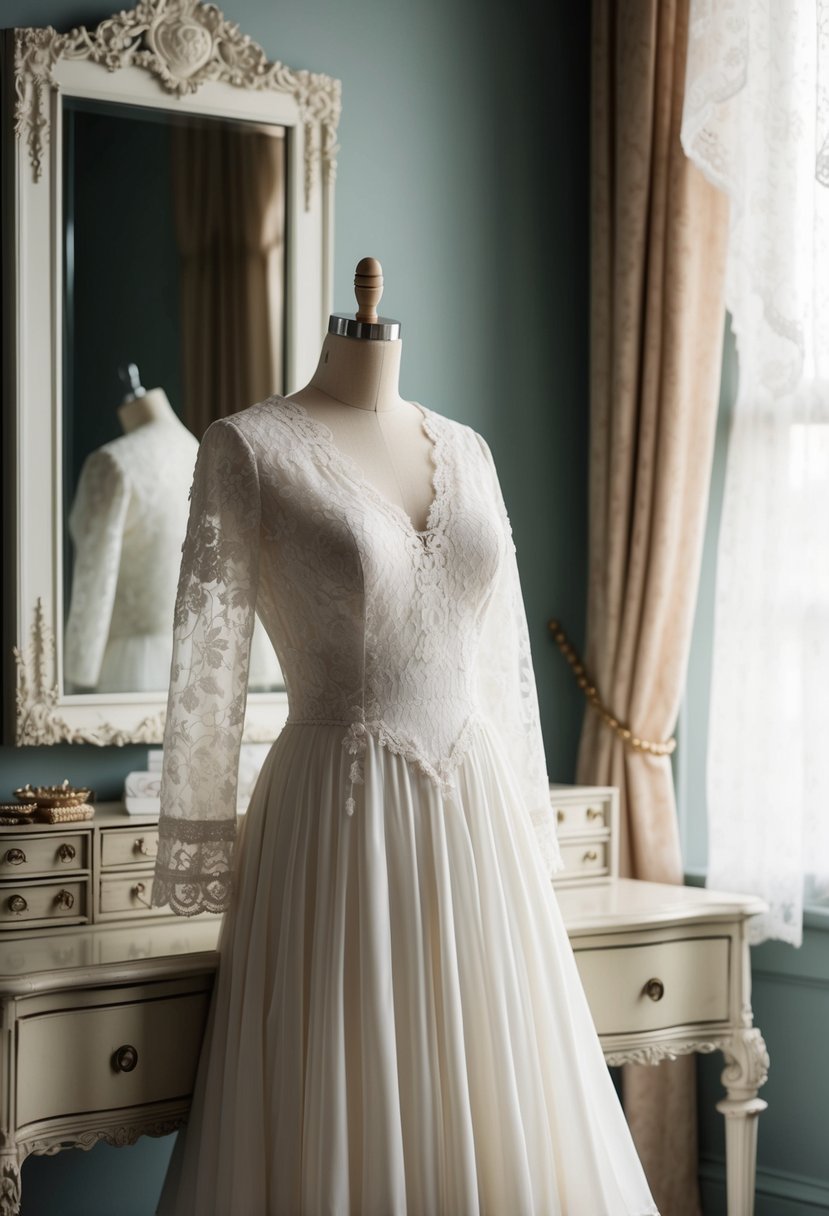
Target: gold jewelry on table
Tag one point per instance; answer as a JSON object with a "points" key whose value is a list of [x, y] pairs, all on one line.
{"points": [[64, 814], [13, 813], [62, 795]]}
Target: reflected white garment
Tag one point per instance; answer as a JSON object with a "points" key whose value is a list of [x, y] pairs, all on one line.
{"points": [[127, 523], [398, 1025]]}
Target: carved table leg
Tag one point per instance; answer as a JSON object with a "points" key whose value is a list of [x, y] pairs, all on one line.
{"points": [[747, 1068], [10, 1192]]}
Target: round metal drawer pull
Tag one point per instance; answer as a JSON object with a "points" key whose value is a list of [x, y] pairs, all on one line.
{"points": [[66, 852], [655, 989], [593, 813], [125, 1058], [14, 857], [140, 846], [64, 898], [138, 892], [560, 816], [591, 855], [18, 904]]}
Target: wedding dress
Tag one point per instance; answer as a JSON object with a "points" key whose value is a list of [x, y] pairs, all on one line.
{"points": [[398, 1025]]}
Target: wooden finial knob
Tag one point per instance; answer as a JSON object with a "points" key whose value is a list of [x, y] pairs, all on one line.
{"points": [[368, 288]]}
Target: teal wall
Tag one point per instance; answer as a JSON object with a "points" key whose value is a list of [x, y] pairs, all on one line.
{"points": [[790, 988], [464, 168]]}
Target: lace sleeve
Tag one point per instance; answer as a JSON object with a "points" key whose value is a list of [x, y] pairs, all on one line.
{"points": [[213, 623], [508, 692], [96, 525]]}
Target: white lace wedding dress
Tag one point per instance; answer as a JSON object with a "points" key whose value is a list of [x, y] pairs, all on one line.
{"points": [[398, 1024]]}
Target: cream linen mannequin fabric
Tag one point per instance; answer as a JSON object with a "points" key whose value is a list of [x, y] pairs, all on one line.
{"points": [[127, 523], [397, 1025]]}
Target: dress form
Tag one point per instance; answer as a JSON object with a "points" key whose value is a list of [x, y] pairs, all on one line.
{"points": [[355, 393], [151, 406]]}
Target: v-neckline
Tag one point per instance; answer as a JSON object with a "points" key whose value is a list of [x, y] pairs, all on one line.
{"points": [[351, 469]]}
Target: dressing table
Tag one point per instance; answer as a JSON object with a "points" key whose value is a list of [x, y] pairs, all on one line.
{"points": [[101, 1023]]}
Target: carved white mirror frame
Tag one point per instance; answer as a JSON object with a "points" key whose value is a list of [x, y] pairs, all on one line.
{"points": [[179, 55]]}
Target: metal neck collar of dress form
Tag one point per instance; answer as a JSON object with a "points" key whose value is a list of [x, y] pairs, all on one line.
{"points": [[384, 329]]}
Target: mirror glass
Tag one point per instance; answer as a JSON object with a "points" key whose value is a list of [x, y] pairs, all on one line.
{"points": [[173, 316]]}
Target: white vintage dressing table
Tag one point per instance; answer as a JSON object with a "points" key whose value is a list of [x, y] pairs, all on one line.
{"points": [[100, 1022]]}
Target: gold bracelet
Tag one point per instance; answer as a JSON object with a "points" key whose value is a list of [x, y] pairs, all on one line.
{"points": [[592, 694]]}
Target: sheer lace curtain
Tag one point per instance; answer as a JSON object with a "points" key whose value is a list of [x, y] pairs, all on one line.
{"points": [[756, 121]]}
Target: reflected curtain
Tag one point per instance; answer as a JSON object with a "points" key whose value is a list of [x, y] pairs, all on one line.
{"points": [[658, 254], [229, 207]]}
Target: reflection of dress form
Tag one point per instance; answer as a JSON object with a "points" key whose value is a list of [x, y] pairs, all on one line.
{"points": [[397, 1027], [127, 524]]}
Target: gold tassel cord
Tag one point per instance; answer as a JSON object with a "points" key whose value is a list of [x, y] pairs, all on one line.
{"points": [[592, 694]]}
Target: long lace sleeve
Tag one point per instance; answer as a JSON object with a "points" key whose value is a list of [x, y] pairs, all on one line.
{"points": [[213, 623], [507, 688], [96, 525]]}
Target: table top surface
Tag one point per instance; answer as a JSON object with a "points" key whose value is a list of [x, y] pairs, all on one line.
{"points": [[622, 903], [138, 950]]}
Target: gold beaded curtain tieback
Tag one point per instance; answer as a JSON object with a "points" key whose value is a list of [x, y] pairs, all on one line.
{"points": [[592, 694]]}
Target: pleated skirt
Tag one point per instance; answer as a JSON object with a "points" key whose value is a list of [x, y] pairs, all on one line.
{"points": [[398, 1027]]}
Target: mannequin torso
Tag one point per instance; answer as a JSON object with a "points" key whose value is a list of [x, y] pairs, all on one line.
{"points": [[355, 393], [152, 406]]}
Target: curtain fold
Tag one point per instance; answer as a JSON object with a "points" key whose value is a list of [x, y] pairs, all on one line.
{"points": [[658, 255], [229, 207]]}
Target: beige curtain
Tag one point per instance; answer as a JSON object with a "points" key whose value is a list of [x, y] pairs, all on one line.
{"points": [[657, 317], [229, 202]]}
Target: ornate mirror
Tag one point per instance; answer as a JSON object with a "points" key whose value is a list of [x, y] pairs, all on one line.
{"points": [[169, 207]]}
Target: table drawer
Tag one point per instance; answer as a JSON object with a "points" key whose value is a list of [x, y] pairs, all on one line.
{"points": [[688, 978], [26, 902], [584, 859], [128, 894], [577, 818], [66, 1060], [44, 854], [128, 847]]}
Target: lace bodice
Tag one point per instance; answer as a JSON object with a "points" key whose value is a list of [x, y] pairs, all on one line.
{"points": [[410, 637]]}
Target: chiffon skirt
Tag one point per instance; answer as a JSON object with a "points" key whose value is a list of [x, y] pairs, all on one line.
{"points": [[398, 1025]]}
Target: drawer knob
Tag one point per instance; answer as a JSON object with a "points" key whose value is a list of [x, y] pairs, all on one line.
{"points": [[66, 852], [560, 816], [14, 857], [138, 893], [64, 898], [140, 846], [125, 1058], [593, 813], [655, 989], [18, 904], [590, 855]]}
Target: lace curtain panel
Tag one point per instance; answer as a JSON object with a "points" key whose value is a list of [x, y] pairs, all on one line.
{"points": [[756, 121]]}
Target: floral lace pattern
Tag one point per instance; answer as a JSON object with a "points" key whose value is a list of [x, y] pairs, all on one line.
{"points": [[410, 637], [756, 122]]}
